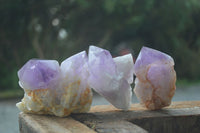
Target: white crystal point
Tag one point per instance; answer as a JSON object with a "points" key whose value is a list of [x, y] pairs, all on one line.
{"points": [[75, 68], [126, 66], [75, 76], [156, 77], [111, 78]]}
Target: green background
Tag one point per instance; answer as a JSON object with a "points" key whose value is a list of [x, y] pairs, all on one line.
{"points": [[57, 29]]}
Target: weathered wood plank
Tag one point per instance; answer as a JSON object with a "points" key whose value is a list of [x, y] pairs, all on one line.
{"points": [[179, 117], [138, 107], [180, 124], [30, 123], [118, 127]]}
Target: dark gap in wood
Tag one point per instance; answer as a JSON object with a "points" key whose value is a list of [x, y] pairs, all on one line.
{"points": [[169, 124], [88, 119]]}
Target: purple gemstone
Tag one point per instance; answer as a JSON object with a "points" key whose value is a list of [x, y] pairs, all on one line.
{"points": [[100, 60], [148, 56], [110, 77], [39, 74], [156, 77]]}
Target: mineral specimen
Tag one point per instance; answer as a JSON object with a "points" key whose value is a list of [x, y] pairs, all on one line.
{"points": [[78, 95], [156, 77], [39, 74], [110, 77], [65, 89], [50, 89]]}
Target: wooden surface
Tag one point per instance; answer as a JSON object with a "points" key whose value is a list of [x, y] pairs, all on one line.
{"points": [[179, 117]]}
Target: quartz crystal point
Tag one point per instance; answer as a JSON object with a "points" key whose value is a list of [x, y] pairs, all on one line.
{"points": [[40, 81], [50, 89], [78, 94], [110, 77], [155, 78], [39, 74]]}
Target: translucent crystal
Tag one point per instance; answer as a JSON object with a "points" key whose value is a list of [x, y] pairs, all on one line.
{"points": [[61, 90], [125, 66], [39, 74], [50, 89], [156, 77], [110, 77], [74, 81]]}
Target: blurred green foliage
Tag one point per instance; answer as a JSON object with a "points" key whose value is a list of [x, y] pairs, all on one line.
{"points": [[56, 29]]}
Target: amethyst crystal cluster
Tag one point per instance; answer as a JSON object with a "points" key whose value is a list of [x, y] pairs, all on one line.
{"points": [[156, 77], [59, 90], [53, 89]]}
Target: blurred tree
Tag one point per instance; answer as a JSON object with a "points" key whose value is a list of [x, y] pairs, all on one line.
{"points": [[57, 29]]}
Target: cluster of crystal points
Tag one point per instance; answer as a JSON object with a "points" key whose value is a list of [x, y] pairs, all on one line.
{"points": [[110, 77], [53, 89], [156, 77], [63, 89]]}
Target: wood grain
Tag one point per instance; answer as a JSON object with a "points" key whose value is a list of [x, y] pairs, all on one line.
{"points": [[179, 117]]}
